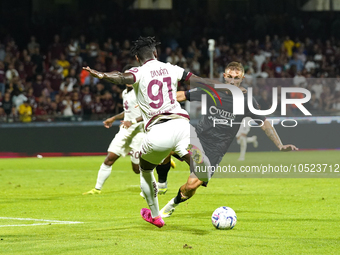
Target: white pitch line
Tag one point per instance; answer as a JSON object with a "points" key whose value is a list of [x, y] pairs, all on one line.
{"points": [[36, 224]]}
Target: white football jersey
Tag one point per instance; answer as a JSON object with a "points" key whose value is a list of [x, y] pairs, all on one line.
{"points": [[131, 108], [155, 87]]}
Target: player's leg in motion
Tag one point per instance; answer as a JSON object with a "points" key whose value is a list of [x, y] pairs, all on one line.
{"points": [[103, 173], [198, 161], [155, 151], [149, 188], [243, 140], [185, 192], [162, 172]]}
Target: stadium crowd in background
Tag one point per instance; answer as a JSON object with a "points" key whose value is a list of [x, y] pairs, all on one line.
{"points": [[54, 86]]}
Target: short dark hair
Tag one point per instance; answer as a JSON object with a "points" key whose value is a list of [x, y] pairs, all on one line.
{"points": [[127, 67], [144, 47]]}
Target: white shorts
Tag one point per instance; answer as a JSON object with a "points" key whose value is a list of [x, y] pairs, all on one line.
{"points": [[172, 135], [127, 142]]}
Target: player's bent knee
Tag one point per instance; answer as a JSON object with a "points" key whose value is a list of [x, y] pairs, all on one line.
{"points": [[110, 159]]}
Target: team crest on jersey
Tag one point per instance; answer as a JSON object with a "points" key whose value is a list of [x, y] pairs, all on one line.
{"points": [[126, 106]]}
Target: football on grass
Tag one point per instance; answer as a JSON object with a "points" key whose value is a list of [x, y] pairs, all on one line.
{"points": [[224, 218]]}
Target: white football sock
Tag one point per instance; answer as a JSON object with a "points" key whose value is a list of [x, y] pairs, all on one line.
{"points": [[103, 173], [148, 185], [251, 139], [243, 146]]}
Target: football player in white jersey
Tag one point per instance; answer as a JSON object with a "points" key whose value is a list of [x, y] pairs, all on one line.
{"points": [[166, 123], [127, 142]]}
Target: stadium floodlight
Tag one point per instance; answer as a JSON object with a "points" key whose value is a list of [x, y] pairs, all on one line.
{"points": [[211, 54]]}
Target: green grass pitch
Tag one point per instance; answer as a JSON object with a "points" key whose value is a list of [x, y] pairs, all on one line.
{"points": [[275, 215]]}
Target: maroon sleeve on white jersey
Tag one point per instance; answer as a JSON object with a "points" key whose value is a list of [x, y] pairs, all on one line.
{"points": [[136, 74]]}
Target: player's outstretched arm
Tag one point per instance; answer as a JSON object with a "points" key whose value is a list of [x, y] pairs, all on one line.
{"points": [[272, 134], [108, 122], [113, 77]]}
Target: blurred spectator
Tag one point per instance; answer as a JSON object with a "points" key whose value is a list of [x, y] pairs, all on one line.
{"points": [[31, 98], [301, 54], [18, 99], [67, 84], [93, 53], [64, 64], [38, 60], [75, 64], [317, 87], [299, 80], [60, 106], [99, 89], [314, 103], [82, 48], [56, 67], [40, 113], [98, 107], [72, 49], [336, 105], [289, 44], [83, 75], [55, 49], [86, 102], [38, 86], [259, 59], [55, 79], [53, 110], [73, 76], [25, 112], [91, 81], [30, 68], [11, 73], [326, 98], [108, 102], [8, 105], [76, 104], [196, 66], [295, 61], [248, 78], [67, 106], [32, 45], [318, 58], [310, 64], [22, 72]]}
